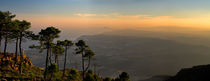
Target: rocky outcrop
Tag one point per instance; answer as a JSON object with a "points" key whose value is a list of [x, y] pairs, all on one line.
{"points": [[196, 73], [10, 69], [10, 62]]}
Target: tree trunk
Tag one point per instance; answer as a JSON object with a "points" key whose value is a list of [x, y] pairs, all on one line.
{"points": [[57, 61], [88, 65], [5, 45], [16, 50], [0, 43], [0, 37], [20, 50], [46, 63], [94, 68], [51, 77], [56, 58], [50, 57], [83, 67], [64, 68]]}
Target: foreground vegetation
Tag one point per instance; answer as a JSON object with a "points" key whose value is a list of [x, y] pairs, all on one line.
{"points": [[10, 71], [18, 67]]}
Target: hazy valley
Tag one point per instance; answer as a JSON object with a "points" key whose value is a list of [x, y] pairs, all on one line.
{"points": [[143, 54]]}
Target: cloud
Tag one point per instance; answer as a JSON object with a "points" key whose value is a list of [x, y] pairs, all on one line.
{"points": [[90, 15], [113, 15], [85, 15]]}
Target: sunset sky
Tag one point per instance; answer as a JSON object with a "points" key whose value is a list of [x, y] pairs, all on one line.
{"points": [[111, 13]]}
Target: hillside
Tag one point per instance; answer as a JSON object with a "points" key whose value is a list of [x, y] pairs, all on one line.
{"points": [[196, 73]]}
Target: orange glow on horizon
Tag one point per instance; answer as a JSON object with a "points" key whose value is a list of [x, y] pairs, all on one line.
{"points": [[116, 21]]}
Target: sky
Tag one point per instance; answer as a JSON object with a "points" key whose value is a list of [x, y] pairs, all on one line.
{"points": [[111, 14]]}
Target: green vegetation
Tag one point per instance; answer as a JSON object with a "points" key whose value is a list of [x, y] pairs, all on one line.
{"points": [[74, 75], [19, 67]]}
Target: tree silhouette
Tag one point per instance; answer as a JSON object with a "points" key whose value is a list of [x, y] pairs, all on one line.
{"points": [[16, 35], [46, 37], [89, 55], [7, 34], [2, 21], [5, 18], [24, 33], [1, 26], [86, 54], [5, 27], [66, 44], [50, 52]]}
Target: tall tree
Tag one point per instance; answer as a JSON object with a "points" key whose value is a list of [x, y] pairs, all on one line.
{"points": [[57, 50], [24, 33], [46, 37], [50, 52], [66, 44], [15, 35], [5, 24], [7, 34], [89, 55], [2, 18], [86, 54]]}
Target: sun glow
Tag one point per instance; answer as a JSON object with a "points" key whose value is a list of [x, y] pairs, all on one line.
{"points": [[116, 21]]}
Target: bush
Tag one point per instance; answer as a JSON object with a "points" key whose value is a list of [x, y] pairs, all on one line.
{"points": [[107, 79], [74, 75], [124, 76], [89, 77]]}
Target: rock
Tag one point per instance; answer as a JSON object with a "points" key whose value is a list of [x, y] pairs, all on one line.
{"points": [[196, 73], [9, 61]]}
